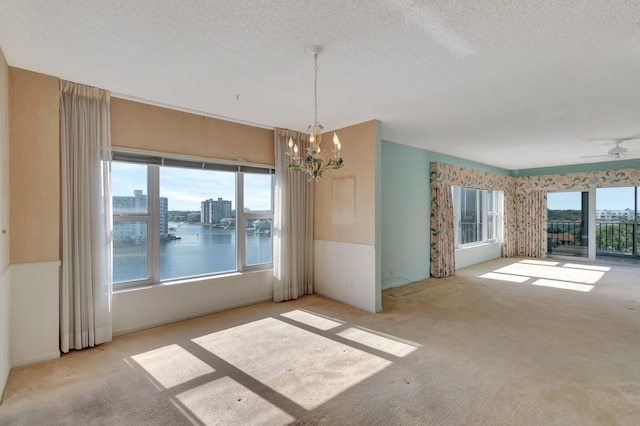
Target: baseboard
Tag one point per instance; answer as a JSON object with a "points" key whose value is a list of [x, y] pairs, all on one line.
{"points": [[3, 383], [33, 359], [336, 298], [187, 317]]}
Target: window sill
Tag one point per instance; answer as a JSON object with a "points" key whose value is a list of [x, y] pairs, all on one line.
{"points": [[483, 244], [191, 280]]}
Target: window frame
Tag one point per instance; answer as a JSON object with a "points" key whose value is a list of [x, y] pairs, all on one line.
{"points": [[487, 211], [153, 162]]}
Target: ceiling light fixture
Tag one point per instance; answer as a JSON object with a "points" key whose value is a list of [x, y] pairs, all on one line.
{"points": [[315, 161]]}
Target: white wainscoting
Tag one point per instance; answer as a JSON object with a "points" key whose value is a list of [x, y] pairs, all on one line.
{"points": [[346, 273], [5, 360], [34, 312], [142, 308]]}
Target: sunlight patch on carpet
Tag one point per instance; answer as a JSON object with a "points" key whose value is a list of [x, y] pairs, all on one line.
{"points": [[505, 277], [581, 276], [312, 320], [227, 402], [564, 285], [588, 267], [172, 365], [305, 367], [378, 341]]}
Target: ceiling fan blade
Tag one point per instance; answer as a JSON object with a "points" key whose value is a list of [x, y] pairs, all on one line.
{"points": [[594, 156]]}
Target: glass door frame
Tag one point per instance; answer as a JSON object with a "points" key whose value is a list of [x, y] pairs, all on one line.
{"points": [[591, 226]]}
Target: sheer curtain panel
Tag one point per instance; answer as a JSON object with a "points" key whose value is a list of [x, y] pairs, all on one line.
{"points": [[85, 296], [292, 224]]}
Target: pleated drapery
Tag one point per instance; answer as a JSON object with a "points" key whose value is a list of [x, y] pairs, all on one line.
{"points": [[292, 224], [510, 222], [85, 139], [443, 256], [532, 229]]}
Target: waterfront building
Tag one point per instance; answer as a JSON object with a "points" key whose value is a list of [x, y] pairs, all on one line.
{"points": [[213, 211], [136, 231]]}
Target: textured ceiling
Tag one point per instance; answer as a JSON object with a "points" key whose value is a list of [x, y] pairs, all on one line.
{"points": [[518, 84]]}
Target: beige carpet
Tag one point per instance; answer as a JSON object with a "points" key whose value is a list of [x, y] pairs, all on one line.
{"points": [[509, 342]]}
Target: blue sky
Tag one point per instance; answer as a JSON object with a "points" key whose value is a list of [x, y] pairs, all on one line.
{"points": [[606, 198], [187, 188]]}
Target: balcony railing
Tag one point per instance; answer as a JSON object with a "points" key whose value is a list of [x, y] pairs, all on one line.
{"points": [[470, 232], [611, 237], [615, 237]]}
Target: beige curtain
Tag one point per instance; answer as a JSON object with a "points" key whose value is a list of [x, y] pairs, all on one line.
{"points": [[293, 225], [443, 257], [532, 224], [85, 296]]}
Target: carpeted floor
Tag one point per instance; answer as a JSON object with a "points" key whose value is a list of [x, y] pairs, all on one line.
{"points": [[508, 342]]}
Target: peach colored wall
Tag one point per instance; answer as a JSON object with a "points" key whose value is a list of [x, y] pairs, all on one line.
{"points": [[4, 162], [35, 166], [147, 127], [344, 203]]}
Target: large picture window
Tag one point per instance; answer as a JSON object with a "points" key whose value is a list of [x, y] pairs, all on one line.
{"points": [[175, 219], [478, 216]]}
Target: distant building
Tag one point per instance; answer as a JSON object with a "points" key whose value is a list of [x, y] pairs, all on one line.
{"points": [[135, 231], [213, 211], [626, 214]]}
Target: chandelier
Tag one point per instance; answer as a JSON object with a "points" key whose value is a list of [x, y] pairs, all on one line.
{"points": [[315, 161]]}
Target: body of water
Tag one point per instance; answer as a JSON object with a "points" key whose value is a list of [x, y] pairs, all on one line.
{"points": [[200, 250]]}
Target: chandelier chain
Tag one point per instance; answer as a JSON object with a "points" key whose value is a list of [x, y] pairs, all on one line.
{"points": [[315, 85]]}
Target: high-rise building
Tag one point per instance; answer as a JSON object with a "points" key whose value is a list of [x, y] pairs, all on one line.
{"points": [[135, 231], [213, 211]]}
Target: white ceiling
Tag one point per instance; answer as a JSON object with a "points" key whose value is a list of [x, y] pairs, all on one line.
{"points": [[513, 84]]}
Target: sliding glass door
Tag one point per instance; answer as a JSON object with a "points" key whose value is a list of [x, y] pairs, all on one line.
{"points": [[568, 224], [617, 222], [602, 224]]}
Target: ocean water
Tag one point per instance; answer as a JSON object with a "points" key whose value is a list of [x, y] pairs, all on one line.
{"points": [[201, 250]]}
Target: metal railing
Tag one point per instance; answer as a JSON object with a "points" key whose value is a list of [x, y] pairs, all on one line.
{"points": [[470, 232], [615, 237], [611, 237]]}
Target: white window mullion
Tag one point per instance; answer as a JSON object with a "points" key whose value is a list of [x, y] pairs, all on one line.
{"points": [[484, 216], [456, 215], [240, 222], [153, 230]]}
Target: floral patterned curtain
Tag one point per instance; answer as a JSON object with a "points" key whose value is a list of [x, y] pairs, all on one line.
{"points": [[443, 259], [510, 237], [532, 224], [443, 176]]}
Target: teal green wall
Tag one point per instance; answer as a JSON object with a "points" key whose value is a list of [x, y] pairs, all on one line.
{"points": [[405, 214], [577, 168], [405, 217]]}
